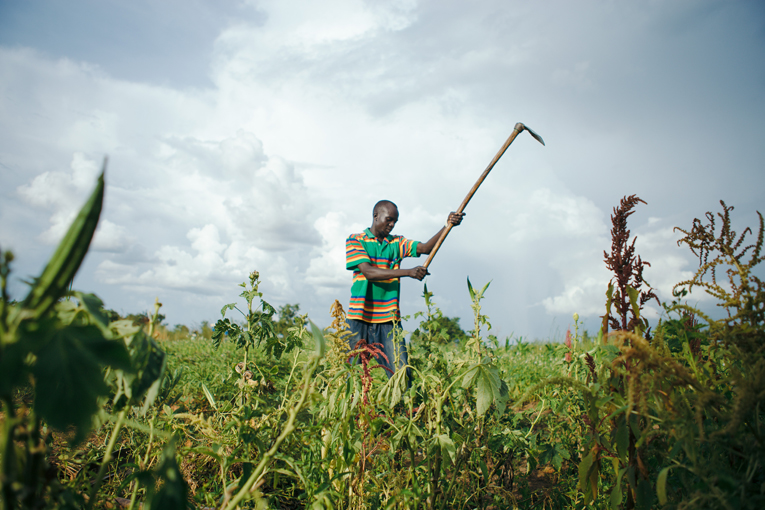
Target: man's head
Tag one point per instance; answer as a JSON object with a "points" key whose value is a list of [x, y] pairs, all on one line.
{"points": [[384, 218]]}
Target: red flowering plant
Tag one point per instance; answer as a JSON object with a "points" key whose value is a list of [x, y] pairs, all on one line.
{"points": [[365, 353], [567, 357]]}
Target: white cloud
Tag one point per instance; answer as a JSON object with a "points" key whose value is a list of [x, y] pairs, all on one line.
{"points": [[326, 270], [317, 111], [63, 193]]}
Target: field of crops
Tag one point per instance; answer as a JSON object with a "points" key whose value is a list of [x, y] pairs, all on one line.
{"points": [[265, 411]]}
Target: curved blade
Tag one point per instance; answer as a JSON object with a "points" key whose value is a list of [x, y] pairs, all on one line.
{"points": [[532, 133]]}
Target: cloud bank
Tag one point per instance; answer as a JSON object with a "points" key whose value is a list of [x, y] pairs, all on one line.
{"points": [[307, 115]]}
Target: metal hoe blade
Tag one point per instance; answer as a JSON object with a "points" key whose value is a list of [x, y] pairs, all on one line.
{"points": [[532, 133]]}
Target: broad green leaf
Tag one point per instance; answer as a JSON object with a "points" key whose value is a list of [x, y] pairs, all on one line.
{"points": [[470, 376], [584, 470], [634, 296], [148, 363], [484, 394], [66, 260], [622, 438], [616, 497], [501, 400], [484, 470], [661, 485], [68, 376], [644, 500], [488, 387], [470, 289]]}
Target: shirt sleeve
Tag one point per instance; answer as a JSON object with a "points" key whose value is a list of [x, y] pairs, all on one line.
{"points": [[355, 253], [409, 248]]}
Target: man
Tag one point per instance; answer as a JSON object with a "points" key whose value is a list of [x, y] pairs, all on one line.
{"points": [[375, 257]]}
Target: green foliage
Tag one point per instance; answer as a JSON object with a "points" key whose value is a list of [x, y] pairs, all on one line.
{"points": [[66, 357], [437, 329], [260, 328], [677, 418], [97, 408]]}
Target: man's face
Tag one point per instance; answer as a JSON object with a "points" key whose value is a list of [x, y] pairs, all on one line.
{"points": [[385, 219]]}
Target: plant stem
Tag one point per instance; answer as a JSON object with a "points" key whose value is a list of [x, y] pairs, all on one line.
{"points": [[145, 461], [286, 386], [35, 458], [107, 458], [289, 427], [9, 457]]}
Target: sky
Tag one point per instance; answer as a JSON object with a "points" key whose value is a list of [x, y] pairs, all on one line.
{"points": [[257, 135]]}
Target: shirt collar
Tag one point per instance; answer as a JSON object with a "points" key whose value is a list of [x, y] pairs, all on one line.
{"points": [[369, 234]]}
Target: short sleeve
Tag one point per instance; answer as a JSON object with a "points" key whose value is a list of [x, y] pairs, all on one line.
{"points": [[409, 248], [355, 253]]}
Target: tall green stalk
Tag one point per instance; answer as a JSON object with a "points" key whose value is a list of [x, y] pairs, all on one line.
{"points": [[107, 458]]}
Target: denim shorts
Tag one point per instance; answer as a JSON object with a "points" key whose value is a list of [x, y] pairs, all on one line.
{"points": [[382, 333]]}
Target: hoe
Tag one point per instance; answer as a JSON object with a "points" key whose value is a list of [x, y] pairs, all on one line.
{"points": [[518, 128]]}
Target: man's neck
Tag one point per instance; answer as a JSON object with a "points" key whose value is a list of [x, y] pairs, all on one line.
{"points": [[380, 237]]}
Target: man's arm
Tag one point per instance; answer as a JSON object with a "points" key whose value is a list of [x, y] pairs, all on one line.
{"points": [[374, 273], [425, 248]]}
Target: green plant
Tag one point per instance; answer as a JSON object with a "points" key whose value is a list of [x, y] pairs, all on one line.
{"points": [[259, 329], [53, 353]]}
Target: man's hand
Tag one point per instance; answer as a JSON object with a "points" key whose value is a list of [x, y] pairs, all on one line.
{"points": [[418, 273], [455, 218]]}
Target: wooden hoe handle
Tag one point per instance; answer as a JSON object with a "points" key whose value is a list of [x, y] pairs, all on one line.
{"points": [[518, 128]]}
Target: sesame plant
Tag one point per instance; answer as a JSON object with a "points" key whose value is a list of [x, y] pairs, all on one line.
{"points": [[259, 329]]}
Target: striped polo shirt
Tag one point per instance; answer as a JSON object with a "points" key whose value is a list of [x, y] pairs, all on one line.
{"points": [[376, 301]]}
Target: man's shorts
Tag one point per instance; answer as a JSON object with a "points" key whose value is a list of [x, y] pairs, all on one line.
{"points": [[381, 333]]}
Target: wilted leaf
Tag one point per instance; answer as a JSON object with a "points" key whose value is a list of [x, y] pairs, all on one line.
{"points": [[209, 396], [393, 390], [447, 447], [230, 306], [124, 328], [661, 485]]}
